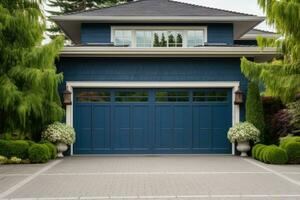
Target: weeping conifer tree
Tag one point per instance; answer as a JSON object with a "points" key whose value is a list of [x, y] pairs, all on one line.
{"points": [[61, 7], [29, 97], [281, 77]]}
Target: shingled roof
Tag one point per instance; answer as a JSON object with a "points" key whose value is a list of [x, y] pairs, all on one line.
{"points": [[158, 8], [156, 11]]}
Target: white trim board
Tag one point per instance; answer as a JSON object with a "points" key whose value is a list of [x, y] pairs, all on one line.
{"points": [[154, 84]]}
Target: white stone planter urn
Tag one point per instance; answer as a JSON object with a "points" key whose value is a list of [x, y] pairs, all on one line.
{"points": [[61, 147], [243, 147]]}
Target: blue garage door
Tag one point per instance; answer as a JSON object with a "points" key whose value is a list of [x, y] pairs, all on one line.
{"points": [[150, 121]]}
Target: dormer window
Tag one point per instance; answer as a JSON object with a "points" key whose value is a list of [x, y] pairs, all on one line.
{"points": [[151, 37], [123, 38]]}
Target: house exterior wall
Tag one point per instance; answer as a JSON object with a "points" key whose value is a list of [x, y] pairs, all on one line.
{"points": [[101, 33], [152, 69]]}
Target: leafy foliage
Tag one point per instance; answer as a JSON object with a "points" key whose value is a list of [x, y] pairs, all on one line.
{"points": [[19, 148], [59, 133], [271, 106], [269, 154], [294, 111], [287, 121], [3, 160], [280, 77], [292, 146], [243, 132], [254, 108], [276, 155], [52, 149], [39, 153], [29, 98], [70, 6]]}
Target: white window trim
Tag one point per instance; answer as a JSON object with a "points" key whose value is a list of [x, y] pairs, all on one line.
{"points": [[185, 29], [153, 84]]}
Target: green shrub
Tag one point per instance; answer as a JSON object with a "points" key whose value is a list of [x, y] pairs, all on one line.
{"points": [[30, 142], [260, 153], [5, 148], [52, 149], [264, 155], [256, 149], [3, 160], [285, 140], [19, 148], [39, 153], [25, 161], [254, 108], [14, 160], [276, 155], [293, 152]]}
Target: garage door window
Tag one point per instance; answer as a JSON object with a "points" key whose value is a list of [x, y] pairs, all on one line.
{"points": [[172, 96], [215, 96], [131, 96], [93, 96]]}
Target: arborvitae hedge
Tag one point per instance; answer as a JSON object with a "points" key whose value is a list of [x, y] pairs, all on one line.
{"points": [[254, 108]]}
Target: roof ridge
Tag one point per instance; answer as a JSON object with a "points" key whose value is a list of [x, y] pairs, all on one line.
{"points": [[191, 4]]}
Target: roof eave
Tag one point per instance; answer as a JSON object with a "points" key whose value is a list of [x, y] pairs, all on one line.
{"points": [[265, 54]]}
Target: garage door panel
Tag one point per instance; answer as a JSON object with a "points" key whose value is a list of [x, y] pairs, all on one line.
{"points": [[182, 127], [220, 140], [221, 116], [101, 127], [140, 128], [202, 127], [83, 126], [121, 124], [163, 127]]}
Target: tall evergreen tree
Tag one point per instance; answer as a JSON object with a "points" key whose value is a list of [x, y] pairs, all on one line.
{"points": [[254, 108], [179, 40], [281, 77], [61, 7], [156, 42], [163, 41], [172, 42], [29, 97]]}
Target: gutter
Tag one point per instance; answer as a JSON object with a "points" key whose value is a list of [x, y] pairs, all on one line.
{"points": [[167, 52]]}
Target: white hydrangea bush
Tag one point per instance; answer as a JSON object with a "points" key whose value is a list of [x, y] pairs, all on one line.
{"points": [[243, 132], [59, 133]]}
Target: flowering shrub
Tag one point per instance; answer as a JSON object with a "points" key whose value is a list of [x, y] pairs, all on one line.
{"points": [[243, 132], [59, 133]]}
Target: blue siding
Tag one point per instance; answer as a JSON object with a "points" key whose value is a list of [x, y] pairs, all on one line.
{"points": [[100, 33], [95, 33], [220, 33], [152, 69]]}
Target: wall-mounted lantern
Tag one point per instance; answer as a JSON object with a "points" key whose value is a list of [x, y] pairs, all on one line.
{"points": [[67, 97], [238, 97]]}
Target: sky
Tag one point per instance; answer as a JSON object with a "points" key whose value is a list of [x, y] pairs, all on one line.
{"points": [[244, 6]]}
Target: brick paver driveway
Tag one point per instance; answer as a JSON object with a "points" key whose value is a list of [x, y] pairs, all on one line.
{"points": [[150, 177]]}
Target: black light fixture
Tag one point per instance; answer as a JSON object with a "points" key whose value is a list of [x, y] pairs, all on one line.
{"points": [[239, 97], [67, 97]]}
